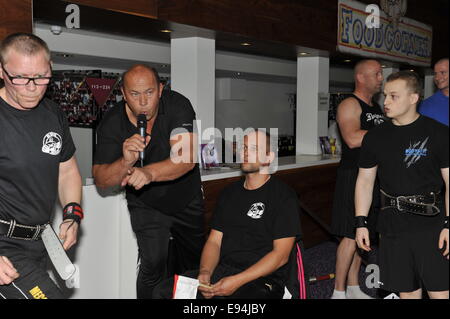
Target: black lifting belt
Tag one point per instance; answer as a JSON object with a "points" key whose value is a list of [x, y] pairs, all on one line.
{"points": [[424, 205], [11, 229]]}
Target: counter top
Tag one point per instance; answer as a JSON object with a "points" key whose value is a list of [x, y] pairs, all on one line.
{"points": [[284, 163]]}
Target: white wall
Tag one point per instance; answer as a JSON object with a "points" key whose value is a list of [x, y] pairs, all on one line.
{"points": [[266, 106], [106, 252]]}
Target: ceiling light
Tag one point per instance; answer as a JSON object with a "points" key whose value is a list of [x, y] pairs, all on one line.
{"points": [[166, 31], [347, 61], [245, 44], [304, 53], [64, 55]]}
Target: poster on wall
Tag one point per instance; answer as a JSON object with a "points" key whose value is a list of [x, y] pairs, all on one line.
{"points": [[376, 36]]}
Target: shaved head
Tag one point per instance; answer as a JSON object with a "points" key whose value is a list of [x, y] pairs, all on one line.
{"points": [[362, 66], [140, 70], [368, 76]]}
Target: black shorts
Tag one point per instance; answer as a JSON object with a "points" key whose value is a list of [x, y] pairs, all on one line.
{"points": [[30, 260], [343, 213], [411, 261]]}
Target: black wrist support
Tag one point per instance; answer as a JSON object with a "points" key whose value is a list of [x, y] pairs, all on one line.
{"points": [[360, 222], [73, 211]]}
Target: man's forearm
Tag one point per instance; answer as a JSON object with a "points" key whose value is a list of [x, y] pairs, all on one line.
{"points": [[108, 175], [69, 183], [210, 258], [264, 267], [363, 197], [167, 170]]}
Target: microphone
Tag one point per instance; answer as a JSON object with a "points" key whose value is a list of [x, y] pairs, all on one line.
{"points": [[142, 126]]}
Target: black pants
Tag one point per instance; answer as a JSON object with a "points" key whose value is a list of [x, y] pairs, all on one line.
{"points": [[261, 288], [30, 260], [167, 244]]}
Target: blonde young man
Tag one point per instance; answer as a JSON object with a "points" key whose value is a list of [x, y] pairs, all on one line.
{"points": [[410, 156]]}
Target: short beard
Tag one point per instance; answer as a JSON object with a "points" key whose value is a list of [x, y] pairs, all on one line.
{"points": [[249, 170]]}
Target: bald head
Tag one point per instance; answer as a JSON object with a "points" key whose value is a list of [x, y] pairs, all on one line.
{"points": [[368, 76], [364, 66], [140, 70]]}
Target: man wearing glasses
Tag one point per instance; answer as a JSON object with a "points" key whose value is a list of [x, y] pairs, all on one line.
{"points": [[36, 163]]}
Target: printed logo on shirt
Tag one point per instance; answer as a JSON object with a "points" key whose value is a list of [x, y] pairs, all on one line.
{"points": [[52, 143], [37, 293], [376, 118], [415, 152], [256, 210]]}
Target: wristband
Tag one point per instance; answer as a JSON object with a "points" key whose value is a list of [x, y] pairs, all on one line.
{"points": [[361, 222], [446, 222], [73, 211]]}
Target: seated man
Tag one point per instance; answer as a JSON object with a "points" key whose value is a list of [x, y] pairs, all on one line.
{"points": [[254, 230]]}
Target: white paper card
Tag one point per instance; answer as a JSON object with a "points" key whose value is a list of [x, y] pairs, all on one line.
{"points": [[185, 288]]}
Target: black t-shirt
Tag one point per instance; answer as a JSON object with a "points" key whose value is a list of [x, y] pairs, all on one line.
{"points": [[251, 220], [409, 160], [371, 116], [175, 113], [33, 144]]}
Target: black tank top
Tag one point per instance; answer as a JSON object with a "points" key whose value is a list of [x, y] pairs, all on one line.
{"points": [[370, 117]]}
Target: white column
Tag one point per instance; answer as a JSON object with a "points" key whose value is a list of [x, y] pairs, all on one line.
{"points": [[193, 75], [313, 74], [429, 86]]}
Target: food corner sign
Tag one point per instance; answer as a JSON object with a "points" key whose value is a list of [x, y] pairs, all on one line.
{"points": [[408, 41]]}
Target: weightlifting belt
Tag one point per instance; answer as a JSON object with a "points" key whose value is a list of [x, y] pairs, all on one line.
{"points": [[424, 205], [11, 229]]}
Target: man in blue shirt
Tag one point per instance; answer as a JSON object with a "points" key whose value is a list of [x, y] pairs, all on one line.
{"points": [[436, 106]]}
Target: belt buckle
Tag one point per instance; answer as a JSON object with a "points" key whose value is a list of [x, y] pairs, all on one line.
{"points": [[398, 202]]}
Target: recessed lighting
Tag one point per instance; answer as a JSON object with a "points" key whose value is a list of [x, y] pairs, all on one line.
{"points": [[65, 55], [166, 31], [413, 70], [245, 44], [384, 66], [347, 61], [304, 53], [238, 74]]}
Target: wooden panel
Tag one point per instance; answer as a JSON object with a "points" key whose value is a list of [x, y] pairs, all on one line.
{"points": [[144, 8], [314, 187], [15, 16], [277, 28], [306, 23]]}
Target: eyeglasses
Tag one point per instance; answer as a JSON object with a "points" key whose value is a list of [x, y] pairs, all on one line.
{"points": [[21, 80]]}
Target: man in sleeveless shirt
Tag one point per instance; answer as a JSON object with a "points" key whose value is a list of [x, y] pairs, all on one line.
{"points": [[355, 116]]}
